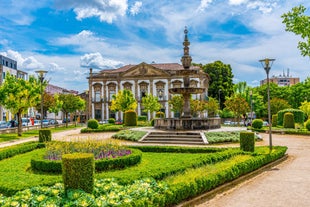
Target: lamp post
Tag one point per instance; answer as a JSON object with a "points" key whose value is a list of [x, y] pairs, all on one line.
{"points": [[267, 63], [41, 75]]}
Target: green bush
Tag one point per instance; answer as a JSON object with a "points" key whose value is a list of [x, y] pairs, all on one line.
{"points": [[257, 123], [19, 149], [92, 124], [274, 120], [307, 125], [130, 135], [160, 114], [111, 121], [142, 118], [103, 128], [299, 116], [45, 135], [152, 122], [288, 120], [78, 171], [247, 141], [130, 118]]}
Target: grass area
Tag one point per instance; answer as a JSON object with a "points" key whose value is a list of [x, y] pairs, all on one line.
{"points": [[221, 137], [31, 133], [130, 135]]}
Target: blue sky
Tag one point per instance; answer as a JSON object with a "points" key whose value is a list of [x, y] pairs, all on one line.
{"points": [[67, 37]]}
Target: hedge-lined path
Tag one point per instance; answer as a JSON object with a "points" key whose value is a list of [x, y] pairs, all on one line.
{"points": [[286, 184]]}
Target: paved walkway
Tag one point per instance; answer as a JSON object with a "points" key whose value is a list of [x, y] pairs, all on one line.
{"points": [[287, 184]]}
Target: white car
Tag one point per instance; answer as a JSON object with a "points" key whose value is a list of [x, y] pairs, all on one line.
{"points": [[37, 122]]}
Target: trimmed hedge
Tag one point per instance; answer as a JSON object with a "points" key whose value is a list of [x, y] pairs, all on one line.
{"points": [[247, 141], [78, 171], [41, 164], [299, 116], [103, 128], [257, 123], [142, 118], [130, 118], [307, 124], [111, 121], [274, 121], [176, 149], [45, 135], [19, 149], [92, 124], [194, 187], [288, 120]]}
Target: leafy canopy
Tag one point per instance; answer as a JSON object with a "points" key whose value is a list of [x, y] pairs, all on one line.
{"points": [[123, 101]]}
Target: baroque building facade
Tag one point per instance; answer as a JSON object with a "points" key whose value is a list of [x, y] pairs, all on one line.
{"points": [[141, 79]]}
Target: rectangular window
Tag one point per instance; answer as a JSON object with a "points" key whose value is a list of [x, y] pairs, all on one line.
{"points": [[97, 96], [98, 114], [111, 95], [3, 75]]}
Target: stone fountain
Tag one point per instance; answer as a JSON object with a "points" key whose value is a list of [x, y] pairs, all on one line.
{"points": [[186, 122]]}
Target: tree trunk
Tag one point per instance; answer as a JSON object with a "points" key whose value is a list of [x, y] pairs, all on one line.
{"points": [[20, 124]]}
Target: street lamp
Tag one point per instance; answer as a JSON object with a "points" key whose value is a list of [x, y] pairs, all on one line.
{"points": [[267, 63], [41, 75], [251, 103]]}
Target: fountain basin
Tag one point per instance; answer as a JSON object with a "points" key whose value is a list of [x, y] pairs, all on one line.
{"points": [[187, 123]]}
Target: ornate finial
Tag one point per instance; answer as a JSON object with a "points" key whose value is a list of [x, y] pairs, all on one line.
{"points": [[186, 59]]}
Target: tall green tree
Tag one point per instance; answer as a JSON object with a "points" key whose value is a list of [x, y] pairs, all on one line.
{"points": [[71, 104], [305, 107], [277, 104], [238, 105], [212, 107], [197, 107], [297, 22], [123, 101], [151, 104], [176, 104], [56, 106], [221, 80], [17, 95]]}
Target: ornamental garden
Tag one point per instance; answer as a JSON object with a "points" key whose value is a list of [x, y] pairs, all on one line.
{"points": [[108, 173]]}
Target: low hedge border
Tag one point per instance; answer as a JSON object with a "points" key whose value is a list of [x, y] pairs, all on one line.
{"points": [[176, 149], [183, 191], [54, 166], [19, 149], [113, 128]]}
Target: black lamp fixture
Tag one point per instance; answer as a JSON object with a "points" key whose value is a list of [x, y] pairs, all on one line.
{"points": [[267, 63]]}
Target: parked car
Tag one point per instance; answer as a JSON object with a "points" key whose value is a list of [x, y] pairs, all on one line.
{"points": [[227, 122], [45, 122], [26, 122], [12, 123], [65, 120], [4, 124], [37, 122], [52, 122]]}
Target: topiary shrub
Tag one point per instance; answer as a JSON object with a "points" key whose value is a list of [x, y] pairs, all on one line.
{"points": [[307, 125], [78, 171], [247, 141], [111, 121], [299, 116], [160, 114], [130, 118], [257, 123], [142, 118], [288, 120], [45, 135], [92, 124], [274, 121]]}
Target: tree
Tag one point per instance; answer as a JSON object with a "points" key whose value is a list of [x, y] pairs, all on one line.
{"points": [[151, 104], [238, 105], [305, 107], [212, 107], [176, 104], [71, 104], [123, 101], [197, 107], [56, 105], [221, 80], [277, 104], [299, 23], [48, 101], [17, 95]]}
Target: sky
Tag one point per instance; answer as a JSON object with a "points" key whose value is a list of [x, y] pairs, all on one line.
{"points": [[67, 37]]}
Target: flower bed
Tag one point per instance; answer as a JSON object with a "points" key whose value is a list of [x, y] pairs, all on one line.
{"points": [[107, 155]]}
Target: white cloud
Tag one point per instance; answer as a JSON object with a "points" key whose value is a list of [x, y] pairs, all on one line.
{"points": [[54, 67], [135, 9], [237, 2], [28, 63], [265, 7], [204, 4], [95, 60], [105, 10]]}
